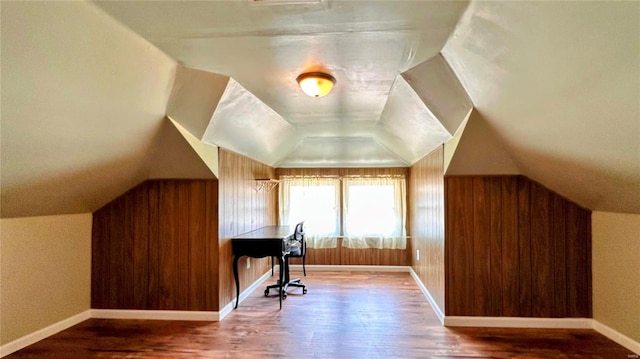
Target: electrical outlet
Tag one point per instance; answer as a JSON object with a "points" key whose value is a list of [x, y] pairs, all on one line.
{"points": [[417, 254], [248, 263]]}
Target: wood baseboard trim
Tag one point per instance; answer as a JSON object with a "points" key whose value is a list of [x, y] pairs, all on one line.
{"points": [[351, 268], [426, 293], [518, 322], [43, 333], [616, 336]]}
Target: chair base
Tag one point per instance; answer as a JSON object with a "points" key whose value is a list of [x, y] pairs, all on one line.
{"points": [[292, 283]]}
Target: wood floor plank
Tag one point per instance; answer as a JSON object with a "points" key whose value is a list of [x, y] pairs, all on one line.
{"points": [[344, 315]]}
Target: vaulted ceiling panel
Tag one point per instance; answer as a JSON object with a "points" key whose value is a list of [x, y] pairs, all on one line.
{"points": [[341, 152], [174, 155], [480, 151], [194, 98], [242, 123], [411, 123], [438, 87]]}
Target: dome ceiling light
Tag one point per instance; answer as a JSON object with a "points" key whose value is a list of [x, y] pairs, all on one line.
{"points": [[316, 84]]}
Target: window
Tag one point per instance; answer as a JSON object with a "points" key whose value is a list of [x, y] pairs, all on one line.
{"points": [[367, 212], [374, 213], [315, 201]]}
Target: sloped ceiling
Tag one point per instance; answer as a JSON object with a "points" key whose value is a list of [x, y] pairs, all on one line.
{"points": [[559, 84], [83, 110], [555, 86]]}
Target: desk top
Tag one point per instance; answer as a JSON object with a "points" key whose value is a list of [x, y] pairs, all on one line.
{"points": [[267, 232]]}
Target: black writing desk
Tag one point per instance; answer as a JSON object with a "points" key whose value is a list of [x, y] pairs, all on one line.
{"points": [[263, 242]]}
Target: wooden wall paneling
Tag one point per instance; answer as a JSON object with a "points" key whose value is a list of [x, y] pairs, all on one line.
{"points": [[141, 256], [326, 256], [542, 264], [460, 230], [128, 243], [352, 256], [496, 257], [167, 246], [196, 255], [586, 287], [481, 238], [437, 243], [183, 234], [240, 211], [558, 233], [535, 242], [425, 188], [154, 245], [211, 219], [510, 256], [227, 223], [100, 243], [524, 245], [116, 252], [148, 248], [578, 261]]}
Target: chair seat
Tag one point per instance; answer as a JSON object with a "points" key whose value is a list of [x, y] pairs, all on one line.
{"points": [[295, 251]]}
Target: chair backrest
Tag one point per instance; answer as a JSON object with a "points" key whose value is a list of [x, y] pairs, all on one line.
{"points": [[298, 235]]}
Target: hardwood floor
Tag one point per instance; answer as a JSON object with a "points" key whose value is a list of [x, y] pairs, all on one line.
{"points": [[344, 315]]}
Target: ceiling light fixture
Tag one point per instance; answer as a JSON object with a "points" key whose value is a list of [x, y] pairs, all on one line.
{"points": [[316, 84]]}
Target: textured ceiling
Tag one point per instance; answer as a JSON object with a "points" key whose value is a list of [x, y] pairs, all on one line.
{"points": [[263, 46], [555, 88]]}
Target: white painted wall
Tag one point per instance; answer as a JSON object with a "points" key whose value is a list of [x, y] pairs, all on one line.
{"points": [[616, 271], [45, 271]]}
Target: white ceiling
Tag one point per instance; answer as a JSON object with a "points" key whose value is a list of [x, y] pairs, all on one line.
{"points": [[555, 87], [264, 45]]}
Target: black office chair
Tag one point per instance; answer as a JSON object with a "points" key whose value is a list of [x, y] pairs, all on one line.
{"points": [[298, 250], [298, 235]]}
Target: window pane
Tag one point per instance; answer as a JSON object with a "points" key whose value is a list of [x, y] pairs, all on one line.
{"points": [[370, 210], [316, 205]]}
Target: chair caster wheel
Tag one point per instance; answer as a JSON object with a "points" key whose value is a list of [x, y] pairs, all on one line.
{"points": [[266, 292], [304, 290], [284, 296]]}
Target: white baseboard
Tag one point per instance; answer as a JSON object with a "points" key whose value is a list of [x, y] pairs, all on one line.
{"points": [[426, 293], [38, 335], [558, 323], [43, 333], [351, 268], [518, 322], [154, 314], [452, 321], [244, 294], [617, 337]]}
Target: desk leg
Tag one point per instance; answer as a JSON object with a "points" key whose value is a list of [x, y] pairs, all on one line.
{"points": [[281, 275], [235, 276]]}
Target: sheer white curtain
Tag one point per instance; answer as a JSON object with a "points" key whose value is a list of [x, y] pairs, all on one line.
{"points": [[316, 201], [374, 213]]}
